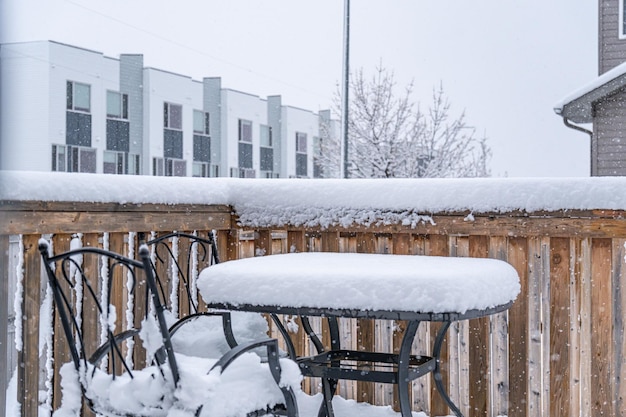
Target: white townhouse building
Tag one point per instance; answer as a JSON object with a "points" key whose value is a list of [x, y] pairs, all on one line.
{"points": [[65, 108]]}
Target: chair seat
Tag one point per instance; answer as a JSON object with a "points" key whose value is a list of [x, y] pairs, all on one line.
{"points": [[244, 386]]}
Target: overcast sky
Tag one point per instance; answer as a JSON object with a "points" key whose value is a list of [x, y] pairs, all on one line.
{"points": [[505, 62]]}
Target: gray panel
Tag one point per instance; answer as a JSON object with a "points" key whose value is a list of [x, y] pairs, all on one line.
{"points": [[301, 164], [131, 83], [274, 110], [172, 143], [117, 135], [78, 129], [267, 159], [201, 148], [212, 102], [245, 155]]}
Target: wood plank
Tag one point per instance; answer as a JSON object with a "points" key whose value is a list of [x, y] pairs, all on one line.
{"points": [[499, 342], [601, 334], [262, 243], [586, 326], [422, 345], [141, 305], [365, 243], [4, 320], [560, 389], [91, 321], [60, 243], [459, 342], [479, 346], [438, 245], [296, 241], [545, 325], [535, 353], [185, 291], [400, 246], [619, 337], [384, 329], [518, 257], [575, 278], [99, 222], [119, 293], [601, 223]]}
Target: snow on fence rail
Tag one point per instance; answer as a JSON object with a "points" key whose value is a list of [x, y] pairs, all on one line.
{"points": [[560, 350]]}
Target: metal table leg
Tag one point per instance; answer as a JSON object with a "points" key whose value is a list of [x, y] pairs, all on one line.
{"points": [[403, 368]]}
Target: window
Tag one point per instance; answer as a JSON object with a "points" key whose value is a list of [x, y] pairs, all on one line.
{"points": [[169, 167], [317, 151], [267, 152], [77, 117], [172, 116], [117, 105], [245, 144], [266, 136], [73, 159], [59, 158], [201, 122], [622, 20], [300, 142], [245, 131], [201, 143], [200, 169], [201, 148], [120, 163], [301, 155], [78, 97], [242, 173]]}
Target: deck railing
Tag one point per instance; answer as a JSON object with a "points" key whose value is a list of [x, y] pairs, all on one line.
{"points": [[560, 350]]}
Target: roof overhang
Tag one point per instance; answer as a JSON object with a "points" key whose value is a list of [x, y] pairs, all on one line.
{"points": [[578, 106]]}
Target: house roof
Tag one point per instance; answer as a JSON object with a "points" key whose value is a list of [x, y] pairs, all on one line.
{"points": [[577, 107]]}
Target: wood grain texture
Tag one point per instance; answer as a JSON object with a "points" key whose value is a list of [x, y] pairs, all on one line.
{"points": [[602, 365], [559, 348], [60, 244], [518, 257], [4, 321]]}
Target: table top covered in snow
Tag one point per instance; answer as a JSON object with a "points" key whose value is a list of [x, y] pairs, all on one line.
{"points": [[344, 284]]}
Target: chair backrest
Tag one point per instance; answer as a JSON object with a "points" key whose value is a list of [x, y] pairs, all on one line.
{"points": [[177, 259], [91, 288]]}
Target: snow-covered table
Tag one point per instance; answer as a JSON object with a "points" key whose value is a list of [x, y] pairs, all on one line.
{"points": [[369, 286]]}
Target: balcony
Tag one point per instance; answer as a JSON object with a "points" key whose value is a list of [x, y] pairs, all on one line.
{"points": [[560, 350]]}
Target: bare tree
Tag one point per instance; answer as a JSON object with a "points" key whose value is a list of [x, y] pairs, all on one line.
{"points": [[389, 135]]}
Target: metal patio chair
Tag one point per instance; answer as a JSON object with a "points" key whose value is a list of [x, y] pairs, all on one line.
{"points": [[178, 257], [131, 369]]}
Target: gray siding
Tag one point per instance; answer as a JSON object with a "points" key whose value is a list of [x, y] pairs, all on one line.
{"points": [[212, 102], [274, 109], [131, 83], [610, 136], [612, 49]]}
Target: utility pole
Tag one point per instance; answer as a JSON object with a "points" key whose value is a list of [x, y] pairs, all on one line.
{"points": [[346, 85]]}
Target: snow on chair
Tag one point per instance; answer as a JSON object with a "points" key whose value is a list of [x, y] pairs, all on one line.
{"points": [[131, 369]]}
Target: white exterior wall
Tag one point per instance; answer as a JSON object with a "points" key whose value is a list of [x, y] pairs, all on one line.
{"points": [[100, 73], [297, 120], [160, 87], [237, 105], [25, 119], [34, 77]]}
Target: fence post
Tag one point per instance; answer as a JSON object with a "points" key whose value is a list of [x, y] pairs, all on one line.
{"points": [[4, 320], [28, 357]]}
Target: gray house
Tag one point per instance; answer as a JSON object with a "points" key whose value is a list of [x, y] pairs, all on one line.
{"points": [[603, 101]]}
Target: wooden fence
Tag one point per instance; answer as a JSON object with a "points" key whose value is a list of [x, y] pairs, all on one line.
{"points": [[559, 351]]}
